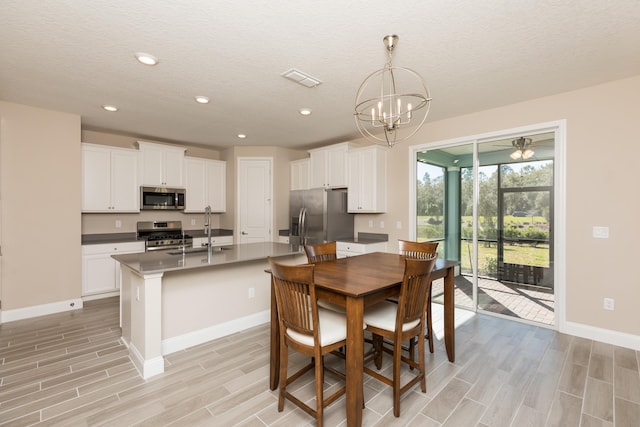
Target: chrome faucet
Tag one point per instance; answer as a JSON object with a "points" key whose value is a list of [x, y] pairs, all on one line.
{"points": [[207, 229], [207, 220]]}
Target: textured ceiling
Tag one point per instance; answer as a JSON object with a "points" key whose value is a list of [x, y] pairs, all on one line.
{"points": [[74, 56]]}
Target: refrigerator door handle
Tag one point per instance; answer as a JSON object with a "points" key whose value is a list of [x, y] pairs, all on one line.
{"points": [[299, 233], [303, 226]]}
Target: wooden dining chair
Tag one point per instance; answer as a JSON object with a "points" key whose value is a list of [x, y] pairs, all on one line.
{"points": [[420, 250], [323, 252], [307, 329], [399, 322], [320, 252]]}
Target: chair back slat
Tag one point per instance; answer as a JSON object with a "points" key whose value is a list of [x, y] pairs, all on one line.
{"points": [[321, 252], [418, 250], [416, 286], [295, 294]]}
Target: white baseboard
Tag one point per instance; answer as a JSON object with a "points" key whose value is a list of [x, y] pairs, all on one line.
{"points": [[101, 296], [603, 335], [146, 368], [40, 310], [171, 345]]}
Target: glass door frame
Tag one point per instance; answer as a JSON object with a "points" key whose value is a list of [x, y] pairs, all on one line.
{"points": [[559, 200]]}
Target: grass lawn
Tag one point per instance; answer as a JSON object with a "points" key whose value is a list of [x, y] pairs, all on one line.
{"points": [[517, 254], [432, 228]]}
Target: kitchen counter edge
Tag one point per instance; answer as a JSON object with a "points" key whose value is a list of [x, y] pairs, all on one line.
{"points": [[164, 261]]}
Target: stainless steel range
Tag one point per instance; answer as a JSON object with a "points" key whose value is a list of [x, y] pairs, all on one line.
{"points": [[161, 235]]}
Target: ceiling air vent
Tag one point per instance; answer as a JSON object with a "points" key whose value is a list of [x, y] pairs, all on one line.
{"points": [[301, 78]]}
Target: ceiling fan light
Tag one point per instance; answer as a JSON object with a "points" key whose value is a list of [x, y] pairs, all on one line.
{"points": [[527, 154], [516, 155]]}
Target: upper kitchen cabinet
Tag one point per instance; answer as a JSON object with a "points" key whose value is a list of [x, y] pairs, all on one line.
{"points": [[300, 174], [205, 181], [328, 166], [109, 179], [161, 165], [368, 180]]}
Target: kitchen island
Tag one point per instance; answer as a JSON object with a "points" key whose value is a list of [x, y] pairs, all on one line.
{"points": [[172, 300]]}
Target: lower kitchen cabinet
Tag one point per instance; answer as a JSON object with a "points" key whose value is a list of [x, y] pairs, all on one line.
{"points": [[215, 241], [100, 272], [348, 249]]}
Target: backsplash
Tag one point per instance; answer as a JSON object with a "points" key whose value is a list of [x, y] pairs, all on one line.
{"points": [[107, 223]]}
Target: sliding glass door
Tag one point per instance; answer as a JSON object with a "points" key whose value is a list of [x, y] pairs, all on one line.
{"points": [[491, 208]]}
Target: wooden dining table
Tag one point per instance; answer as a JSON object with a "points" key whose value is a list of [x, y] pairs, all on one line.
{"points": [[355, 283]]}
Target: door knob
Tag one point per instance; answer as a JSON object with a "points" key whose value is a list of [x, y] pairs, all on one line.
{"points": [[244, 234]]}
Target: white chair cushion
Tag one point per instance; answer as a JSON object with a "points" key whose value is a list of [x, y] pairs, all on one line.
{"points": [[333, 328], [383, 316]]}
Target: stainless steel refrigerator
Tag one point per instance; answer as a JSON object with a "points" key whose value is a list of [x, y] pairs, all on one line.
{"points": [[318, 216]]}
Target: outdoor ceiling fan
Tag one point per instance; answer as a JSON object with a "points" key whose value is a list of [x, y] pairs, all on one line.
{"points": [[523, 149]]}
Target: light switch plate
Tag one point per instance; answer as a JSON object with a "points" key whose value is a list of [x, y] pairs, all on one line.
{"points": [[601, 232]]}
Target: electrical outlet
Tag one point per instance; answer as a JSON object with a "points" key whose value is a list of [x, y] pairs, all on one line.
{"points": [[398, 225], [381, 224], [370, 224], [608, 304], [193, 222], [118, 223], [601, 232], [252, 292]]}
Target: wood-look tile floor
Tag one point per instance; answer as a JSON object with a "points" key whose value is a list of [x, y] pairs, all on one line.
{"points": [[71, 369]]}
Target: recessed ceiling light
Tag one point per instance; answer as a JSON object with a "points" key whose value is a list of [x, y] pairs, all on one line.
{"points": [[305, 111], [202, 99], [241, 136], [146, 59], [110, 108]]}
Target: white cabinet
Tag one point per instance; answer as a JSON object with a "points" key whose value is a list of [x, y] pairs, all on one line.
{"points": [[100, 272], [109, 179], [348, 249], [368, 180], [199, 242], [300, 174], [283, 239], [328, 166], [205, 182], [160, 165]]}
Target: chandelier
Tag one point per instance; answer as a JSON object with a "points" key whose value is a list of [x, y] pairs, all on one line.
{"points": [[392, 103], [523, 150]]}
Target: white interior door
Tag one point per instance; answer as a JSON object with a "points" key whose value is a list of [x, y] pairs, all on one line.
{"points": [[254, 199]]}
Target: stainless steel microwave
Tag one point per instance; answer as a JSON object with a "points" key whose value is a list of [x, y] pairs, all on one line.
{"points": [[162, 198]]}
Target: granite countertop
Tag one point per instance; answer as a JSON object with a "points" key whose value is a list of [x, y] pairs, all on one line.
{"points": [[367, 238], [96, 239], [178, 260], [362, 241], [215, 232]]}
